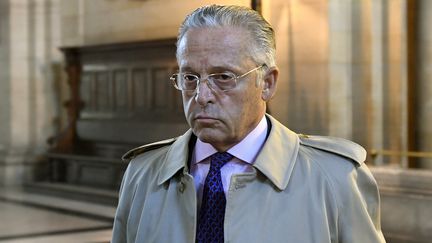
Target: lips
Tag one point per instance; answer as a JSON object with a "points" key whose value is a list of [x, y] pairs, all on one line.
{"points": [[205, 119]]}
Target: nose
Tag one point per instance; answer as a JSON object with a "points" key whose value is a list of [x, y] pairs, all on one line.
{"points": [[204, 93]]}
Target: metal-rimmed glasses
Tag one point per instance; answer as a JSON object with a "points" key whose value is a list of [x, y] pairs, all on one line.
{"points": [[220, 81]]}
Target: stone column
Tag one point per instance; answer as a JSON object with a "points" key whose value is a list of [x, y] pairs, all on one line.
{"points": [[29, 88], [301, 28], [340, 68], [4, 84], [16, 139], [424, 81], [396, 137], [378, 74]]}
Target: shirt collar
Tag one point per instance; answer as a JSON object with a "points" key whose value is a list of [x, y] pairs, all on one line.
{"points": [[246, 150]]}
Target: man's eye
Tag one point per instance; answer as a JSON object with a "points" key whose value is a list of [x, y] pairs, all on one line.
{"points": [[223, 76], [190, 78]]}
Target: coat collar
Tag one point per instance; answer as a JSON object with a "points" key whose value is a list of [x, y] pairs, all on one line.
{"points": [[278, 156], [176, 158], [276, 159]]}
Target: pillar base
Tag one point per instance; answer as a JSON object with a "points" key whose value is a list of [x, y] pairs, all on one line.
{"points": [[18, 169]]}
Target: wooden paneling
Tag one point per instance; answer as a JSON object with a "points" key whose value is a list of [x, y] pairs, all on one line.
{"points": [[137, 92], [122, 97], [120, 93], [141, 89], [116, 88]]}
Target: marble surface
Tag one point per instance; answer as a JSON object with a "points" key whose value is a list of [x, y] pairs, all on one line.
{"points": [[101, 236], [27, 217]]}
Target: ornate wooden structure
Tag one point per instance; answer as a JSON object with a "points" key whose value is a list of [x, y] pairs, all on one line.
{"points": [[120, 97]]}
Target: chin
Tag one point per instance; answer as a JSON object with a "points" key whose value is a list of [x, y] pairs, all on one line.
{"points": [[208, 135], [219, 140], [205, 137]]}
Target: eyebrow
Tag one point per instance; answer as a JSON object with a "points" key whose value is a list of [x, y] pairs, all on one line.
{"points": [[214, 69]]}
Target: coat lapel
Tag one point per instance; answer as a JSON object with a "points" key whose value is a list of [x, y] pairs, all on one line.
{"points": [[176, 158], [279, 154]]}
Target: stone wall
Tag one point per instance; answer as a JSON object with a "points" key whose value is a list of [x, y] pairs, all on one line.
{"points": [[100, 22], [406, 204], [302, 39], [30, 65], [424, 81], [4, 74], [343, 70]]}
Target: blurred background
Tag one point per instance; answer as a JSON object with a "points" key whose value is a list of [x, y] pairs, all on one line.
{"points": [[84, 81]]}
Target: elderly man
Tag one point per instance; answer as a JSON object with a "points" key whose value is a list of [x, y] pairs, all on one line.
{"points": [[238, 175]]}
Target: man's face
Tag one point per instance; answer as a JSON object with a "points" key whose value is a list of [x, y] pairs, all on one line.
{"points": [[220, 118]]}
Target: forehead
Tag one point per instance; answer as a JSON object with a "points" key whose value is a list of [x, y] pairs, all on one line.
{"points": [[214, 45]]}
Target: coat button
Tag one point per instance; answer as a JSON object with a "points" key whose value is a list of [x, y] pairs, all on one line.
{"points": [[239, 186], [181, 187]]}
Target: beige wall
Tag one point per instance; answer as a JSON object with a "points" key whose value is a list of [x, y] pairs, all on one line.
{"points": [[406, 207], [4, 73], [30, 65], [343, 69], [394, 88], [302, 55], [99, 21], [424, 83]]}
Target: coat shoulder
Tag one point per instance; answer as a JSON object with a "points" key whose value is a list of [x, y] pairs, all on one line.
{"points": [[131, 154], [338, 146]]}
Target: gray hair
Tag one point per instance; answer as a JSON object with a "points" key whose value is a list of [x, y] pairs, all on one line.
{"points": [[264, 49]]}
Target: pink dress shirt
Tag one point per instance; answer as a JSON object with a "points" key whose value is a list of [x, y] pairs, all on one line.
{"points": [[245, 153]]}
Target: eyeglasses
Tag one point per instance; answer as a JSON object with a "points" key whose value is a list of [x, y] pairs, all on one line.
{"points": [[221, 81]]}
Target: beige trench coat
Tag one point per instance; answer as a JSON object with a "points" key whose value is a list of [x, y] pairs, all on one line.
{"points": [[303, 189]]}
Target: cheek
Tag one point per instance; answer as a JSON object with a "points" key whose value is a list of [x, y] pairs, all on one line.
{"points": [[236, 111], [189, 109], [187, 103], [250, 108], [244, 103]]}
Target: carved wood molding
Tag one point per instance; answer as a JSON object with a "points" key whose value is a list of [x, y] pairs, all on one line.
{"points": [[118, 83]]}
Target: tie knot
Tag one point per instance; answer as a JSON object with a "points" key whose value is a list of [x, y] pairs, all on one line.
{"points": [[218, 160]]}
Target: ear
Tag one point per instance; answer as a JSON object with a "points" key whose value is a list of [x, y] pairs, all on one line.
{"points": [[269, 83]]}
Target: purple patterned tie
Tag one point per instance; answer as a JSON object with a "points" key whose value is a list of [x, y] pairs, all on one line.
{"points": [[210, 227]]}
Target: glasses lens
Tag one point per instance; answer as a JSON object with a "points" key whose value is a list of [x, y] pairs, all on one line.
{"points": [[224, 81], [220, 81], [188, 81]]}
